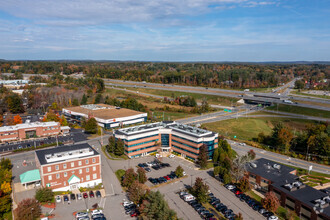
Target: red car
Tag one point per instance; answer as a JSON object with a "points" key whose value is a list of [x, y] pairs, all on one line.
{"points": [[133, 214], [91, 194], [237, 192], [167, 178], [85, 195]]}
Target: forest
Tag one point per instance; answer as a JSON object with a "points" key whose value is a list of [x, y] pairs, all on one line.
{"points": [[223, 75]]}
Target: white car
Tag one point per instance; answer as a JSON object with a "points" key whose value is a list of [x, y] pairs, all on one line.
{"points": [[172, 156], [230, 187], [58, 199], [79, 196], [273, 217], [81, 214], [127, 203], [96, 212], [184, 173]]}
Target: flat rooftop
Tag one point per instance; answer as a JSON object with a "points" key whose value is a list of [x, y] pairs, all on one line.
{"points": [[102, 111], [65, 153], [165, 125], [28, 125], [270, 170]]}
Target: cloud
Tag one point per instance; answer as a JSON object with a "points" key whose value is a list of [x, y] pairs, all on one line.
{"points": [[86, 12]]}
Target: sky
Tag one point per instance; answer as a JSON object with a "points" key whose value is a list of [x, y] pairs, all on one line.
{"points": [[165, 30]]}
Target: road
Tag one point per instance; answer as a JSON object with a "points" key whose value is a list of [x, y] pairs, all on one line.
{"points": [[272, 97], [260, 153]]}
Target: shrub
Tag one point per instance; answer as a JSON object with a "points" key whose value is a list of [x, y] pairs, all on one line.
{"points": [[44, 195]]}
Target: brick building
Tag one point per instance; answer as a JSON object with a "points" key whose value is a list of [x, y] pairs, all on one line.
{"points": [[166, 136], [69, 167], [307, 202], [29, 130]]}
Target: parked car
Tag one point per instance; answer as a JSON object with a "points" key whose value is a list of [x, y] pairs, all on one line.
{"points": [[72, 196], [91, 194], [85, 195], [230, 186], [167, 178], [98, 193], [79, 196], [172, 156], [273, 217], [147, 169], [58, 199], [96, 212], [65, 198], [81, 214]]}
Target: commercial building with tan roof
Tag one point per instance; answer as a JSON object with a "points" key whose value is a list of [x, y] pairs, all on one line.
{"points": [[107, 116]]}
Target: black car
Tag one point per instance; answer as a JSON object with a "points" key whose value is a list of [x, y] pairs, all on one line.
{"points": [[98, 193], [268, 214], [156, 167], [147, 169], [65, 198], [141, 165], [72, 196]]}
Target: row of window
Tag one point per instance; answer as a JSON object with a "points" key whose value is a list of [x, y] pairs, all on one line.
{"points": [[49, 128], [57, 167], [195, 148], [146, 142], [185, 139], [135, 139], [5, 134], [184, 149], [139, 149], [50, 177]]}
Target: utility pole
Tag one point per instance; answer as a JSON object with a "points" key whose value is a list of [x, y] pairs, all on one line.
{"points": [[56, 141], [101, 136]]}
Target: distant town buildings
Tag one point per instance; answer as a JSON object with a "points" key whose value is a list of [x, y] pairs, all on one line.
{"points": [[166, 136], [107, 116], [31, 130], [69, 167], [308, 202]]}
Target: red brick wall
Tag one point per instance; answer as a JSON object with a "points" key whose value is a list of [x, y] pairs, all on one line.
{"points": [[58, 183]]}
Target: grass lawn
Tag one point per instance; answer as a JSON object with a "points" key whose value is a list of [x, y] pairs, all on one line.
{"points": [[254, 196], [212, 99], [172, 116], [301, 171], [311, 95], [248, 128], [301, 110]]}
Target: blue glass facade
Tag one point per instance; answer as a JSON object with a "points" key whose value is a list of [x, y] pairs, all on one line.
{"points": [[165, 138]]}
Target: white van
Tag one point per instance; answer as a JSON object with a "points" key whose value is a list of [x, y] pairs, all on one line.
{"points": [[188, 197]]}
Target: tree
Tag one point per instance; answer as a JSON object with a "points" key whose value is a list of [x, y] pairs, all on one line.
{"points": [[17, 120], [91, 125], [5, 204], [119, 148], [238, 168], [63, 121], [14, 103], [111, 145], [51, 116], [203, 156], [179, 171], [200, 190], [129, 177], [155, 207], [44, 195], [28, 209], [142, 177], [98, 98], [5, 187], [75, 102], [251, 154], [226, 178], [299, 84], [244, 185], [84, 100], [137, 192], [284, 138], [239, 216], [270, 202], [216, 155], [216, 170], [5, 163]]}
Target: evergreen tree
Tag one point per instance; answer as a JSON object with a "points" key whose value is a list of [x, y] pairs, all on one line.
{"points": [[200, 190], [179, 172], [91, 126], [44, 195], [112, 144], [142, 177], [203, 156], [119, 149], [84, 100], [75, 102], [98, 98]]}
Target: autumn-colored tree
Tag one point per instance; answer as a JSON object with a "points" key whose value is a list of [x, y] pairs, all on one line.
{"points": [[239, 216], [6, 187], [244, 185], [28, 209], [251, 154], [51, 116], [137, 192], [142, 177], [129, 177], [63, 121], [10, 120], [270, 202], [17, 120], [1, 119], [284, 138]]}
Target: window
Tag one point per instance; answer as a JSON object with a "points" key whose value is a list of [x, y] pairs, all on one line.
{"points": [[57, 176], [72, 164], [79, 163], [93, 160], [49, 169], [86, 161], [94, 168], [57, 167], [80, 171], [87, 169], [50, 177], [94, 176], [65, 174], [64, 166], [88, 177]]}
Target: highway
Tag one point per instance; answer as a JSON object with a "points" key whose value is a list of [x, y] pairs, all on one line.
{"points": [[260, 153], [273, 97]]}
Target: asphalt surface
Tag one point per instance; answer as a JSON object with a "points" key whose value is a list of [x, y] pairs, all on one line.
{"points": [[226, 93], [260, 153]]}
